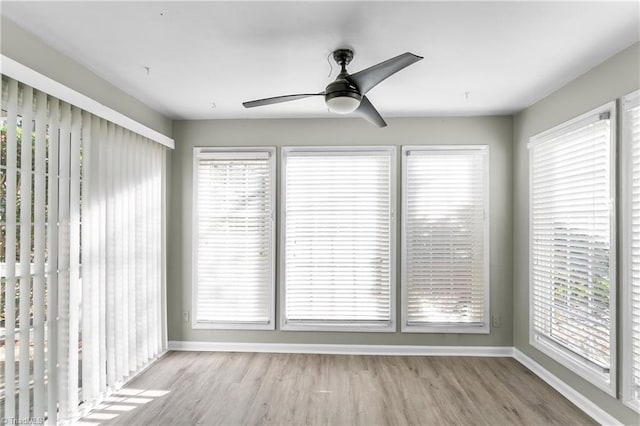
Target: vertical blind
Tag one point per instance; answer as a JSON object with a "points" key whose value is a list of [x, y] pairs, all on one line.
{"points": [[234, 237], [338, 236], [80, 255], [571, 258], [445, 257], [631, 247]]}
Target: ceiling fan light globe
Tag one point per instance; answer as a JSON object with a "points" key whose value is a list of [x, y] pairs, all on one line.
{"points": [[343, 104]]}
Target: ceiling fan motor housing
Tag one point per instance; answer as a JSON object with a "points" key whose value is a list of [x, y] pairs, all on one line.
{"points": [[341, 88], [341, 97]]}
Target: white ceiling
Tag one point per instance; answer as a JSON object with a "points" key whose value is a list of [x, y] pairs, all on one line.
{"points": [[505, 55]]}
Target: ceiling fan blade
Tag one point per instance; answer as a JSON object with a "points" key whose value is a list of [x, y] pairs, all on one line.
{"points": [[278, 99], [368, 78], [367, 111]]}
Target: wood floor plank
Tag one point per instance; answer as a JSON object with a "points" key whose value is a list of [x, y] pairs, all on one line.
{"points": [[204, 388]]}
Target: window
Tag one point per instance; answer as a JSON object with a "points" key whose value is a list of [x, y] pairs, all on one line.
{"points": [[631, 249], [338, 238], [234, 238], [445, 244], [572, 245]]}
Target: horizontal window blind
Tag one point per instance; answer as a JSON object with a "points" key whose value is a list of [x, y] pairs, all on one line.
{"points": [[572, 259], [338, 236], [445, 241], [234, 237], [81, 262], [631, 248]]}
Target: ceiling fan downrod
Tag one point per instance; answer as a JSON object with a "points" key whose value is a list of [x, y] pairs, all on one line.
{"points": [[343, 58]]}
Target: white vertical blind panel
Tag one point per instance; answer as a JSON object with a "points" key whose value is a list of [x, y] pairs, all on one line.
{"points": [[118, 258], [75, 290], [146, 158], [116, 201], [153, 338], [163, 249], [111, 264], [338, 237], [52, 258], [571, 240], [88, 262], [131, 252], [94, 196], [39, 231], [632, 123], [10, 251], [157, 201], [24, 344], [444, 236], [64, 229], [144, 254], [102, 253], [127, 282], [148, 214], [140, 302], [156, 232], [234, 202]]}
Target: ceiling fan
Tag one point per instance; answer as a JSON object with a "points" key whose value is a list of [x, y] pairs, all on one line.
{"points": [[346, 94]]}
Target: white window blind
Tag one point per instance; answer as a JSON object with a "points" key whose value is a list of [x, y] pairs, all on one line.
{"points": [[234, 238], [445, 239], [631, 248], [572, 245], [338, 238], [81, 262]]}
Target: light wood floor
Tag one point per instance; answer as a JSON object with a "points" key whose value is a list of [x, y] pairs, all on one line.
{"points": [[203, 388]]}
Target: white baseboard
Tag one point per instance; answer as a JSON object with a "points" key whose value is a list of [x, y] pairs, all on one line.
{"points": [[307, 348], [580, 401]]}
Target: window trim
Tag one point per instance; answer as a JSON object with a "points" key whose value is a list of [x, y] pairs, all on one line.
{"points": [[218, 325], [485, 328], [388, 327], [563, 356], [632, 98]]}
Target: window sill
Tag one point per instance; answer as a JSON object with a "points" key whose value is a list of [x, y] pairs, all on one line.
{"points": [[602, 380], [634, 404], [446, 328], [204, 325], [346, 327]]}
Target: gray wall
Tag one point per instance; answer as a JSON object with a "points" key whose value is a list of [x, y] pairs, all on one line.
{"points": [[493, 131], [32, 52], [609, 81]]}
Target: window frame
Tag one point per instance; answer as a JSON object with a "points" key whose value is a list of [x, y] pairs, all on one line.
{"points": [[626, 202], [565, 357], [219, 325], [388, 327], [485, 328]]}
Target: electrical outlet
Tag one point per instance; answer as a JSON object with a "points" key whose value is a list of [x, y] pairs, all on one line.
{"points": [[185, 316], [496, 321]]}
